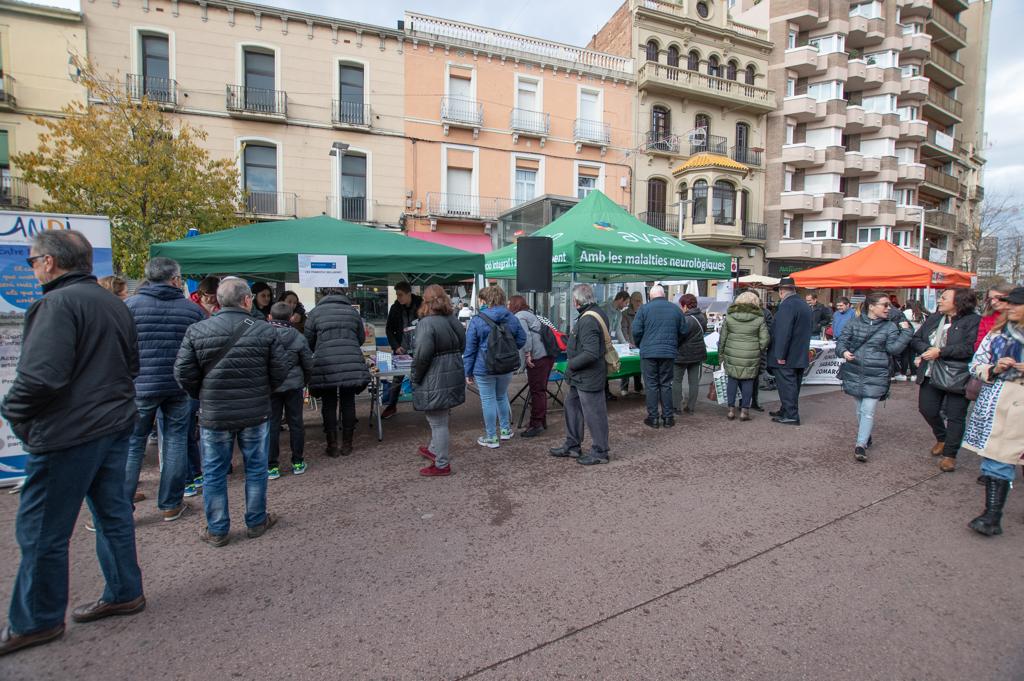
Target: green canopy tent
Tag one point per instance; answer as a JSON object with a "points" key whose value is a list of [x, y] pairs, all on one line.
{"points": [[598, 240], [270, 250]]}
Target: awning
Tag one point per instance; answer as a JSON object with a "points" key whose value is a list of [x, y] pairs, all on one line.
{"points": [[474, 243], [883, 265]]}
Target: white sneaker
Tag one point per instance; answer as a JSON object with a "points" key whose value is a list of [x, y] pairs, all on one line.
{"points": [[507, 434], [489, 442]]}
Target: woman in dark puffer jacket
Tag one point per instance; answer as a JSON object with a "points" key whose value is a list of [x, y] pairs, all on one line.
{"points": [[690, 355], [336, 334], [438, 383], [869, 343]]}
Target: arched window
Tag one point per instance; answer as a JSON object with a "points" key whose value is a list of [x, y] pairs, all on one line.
{"points": [[656, 196], [693, 60], [742, 143], [652, 50], [700, 202], [702, 121], [730, 71], [713, 68], [661, 128], [673, 56], [699, 143], [751, 71], [723, 203]]}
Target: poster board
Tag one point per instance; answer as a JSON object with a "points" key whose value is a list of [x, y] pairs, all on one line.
{"points": [[824, 365], [19, 289], [323, 271]]}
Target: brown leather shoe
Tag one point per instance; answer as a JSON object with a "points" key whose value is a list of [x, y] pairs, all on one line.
{"points": [[938, 448], [175, 513], [139, 496], [261, 529], [97, 610], [9, 641], [215, 540], [947, 464]]}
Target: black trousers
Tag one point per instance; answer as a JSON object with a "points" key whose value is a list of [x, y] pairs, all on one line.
{"points": [[658, 379], [288, 404], [788, 382], [396, 390], [933, 402], [334, 401]]}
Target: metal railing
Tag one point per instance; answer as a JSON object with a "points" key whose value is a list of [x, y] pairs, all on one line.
{"points": [[746, 155], [257, 100], [7, 92], [271, 203], [667, 222], [940, 219], [662, 141], [945, 20], [755, 230], [160, 90], [530, 122], [702, 81], [468, 206], [13, 192], [356, 114], [348, 208], [945, 102], [462, 111], [941, 179], [944, 61], [712, 144], [584, 130]]}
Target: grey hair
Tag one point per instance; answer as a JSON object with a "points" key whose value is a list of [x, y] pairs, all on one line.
{"points": [[69, 248], [583, 294], [657, 291], [160, 270], [232, 292]]}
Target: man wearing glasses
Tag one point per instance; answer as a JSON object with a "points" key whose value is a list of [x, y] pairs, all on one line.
{"points": [[994, 307]]}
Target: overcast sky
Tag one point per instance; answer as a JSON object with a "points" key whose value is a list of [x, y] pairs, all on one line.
{"points": [[565, 21]]}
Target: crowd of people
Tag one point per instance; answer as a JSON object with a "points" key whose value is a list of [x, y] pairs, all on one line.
{"points": [[228, 365]]}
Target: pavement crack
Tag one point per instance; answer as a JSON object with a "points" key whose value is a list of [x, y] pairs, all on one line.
{"points": [[671, 592]]}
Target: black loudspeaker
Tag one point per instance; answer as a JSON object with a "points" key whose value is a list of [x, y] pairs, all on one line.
{"points": [[533, 264]]}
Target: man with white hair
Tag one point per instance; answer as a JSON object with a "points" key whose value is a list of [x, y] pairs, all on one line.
{"points": [[586, 373], [658, 326], [232, 363]]}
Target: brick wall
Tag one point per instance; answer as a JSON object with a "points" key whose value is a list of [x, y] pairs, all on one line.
{"points": [[616, 35]]}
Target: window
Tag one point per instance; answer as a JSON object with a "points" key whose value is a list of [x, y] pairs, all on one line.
{"points": [[672, 57], [702, 121], [259, 175], [869, 235], [526, 184], [459, 197], [661, 128], [350, 95], [652, 50], [906, 155], [751, 72], [790, 133], [657, 191], [869, 10], [830, 89], [876, 191], [703, 11], [886, 60], [901, 238], [791, 40], [829, 43], [742, 136], [825, 137], [787, 184], [526, 94], [713, 68], [790, 87], [259, 80], [910, 71], [6, 185], [824, 183], [353, 187], [723, 203], [590, 109], [700, 202], [787, 226], [909, 113], [693, 60], [911, 28], [904, 197], [821, 229], [883, 104], [877, 148], [156, 67], [731, 69]]}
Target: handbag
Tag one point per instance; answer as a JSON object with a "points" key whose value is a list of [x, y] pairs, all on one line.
{"points": [[973, 388], [950, 375], [721, 384]]}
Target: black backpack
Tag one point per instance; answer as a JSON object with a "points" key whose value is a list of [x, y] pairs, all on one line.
{"points": [[502, 355], [547, 336]]}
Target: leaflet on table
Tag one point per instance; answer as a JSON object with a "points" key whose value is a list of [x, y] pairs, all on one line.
{"points": [[387, 361], [625, 350]]}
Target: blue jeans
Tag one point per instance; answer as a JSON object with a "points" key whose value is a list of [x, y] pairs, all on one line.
{"points": [[745, 386], [865, 418], [494, 401], [174, 412], [997, 469], [217, 448], [55, 484]]}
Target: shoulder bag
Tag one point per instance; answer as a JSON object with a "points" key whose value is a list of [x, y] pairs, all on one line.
{"points": [[236, 334], [611, 357]]}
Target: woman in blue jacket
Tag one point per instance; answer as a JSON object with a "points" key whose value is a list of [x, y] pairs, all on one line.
{"points": [[493, 387]]}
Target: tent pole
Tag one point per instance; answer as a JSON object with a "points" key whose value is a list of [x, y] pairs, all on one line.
{"points": [[569, 300]]}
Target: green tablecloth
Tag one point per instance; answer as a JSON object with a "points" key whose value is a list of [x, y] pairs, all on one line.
{"points": [[630, 365]]}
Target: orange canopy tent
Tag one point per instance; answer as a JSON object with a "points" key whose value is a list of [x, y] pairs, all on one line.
{"points": [[883, 265]]}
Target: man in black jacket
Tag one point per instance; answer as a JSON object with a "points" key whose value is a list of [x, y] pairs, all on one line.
{"points": [[586, 374], [787, 354], [72, 405], [400, 329], [231, 363], [821, 315]]}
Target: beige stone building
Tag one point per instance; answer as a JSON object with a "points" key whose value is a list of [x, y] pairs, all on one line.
{"points": [[312, 107], [36, 79], [874, 133], [702, 101]]}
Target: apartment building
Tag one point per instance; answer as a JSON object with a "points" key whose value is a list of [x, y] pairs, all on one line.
{"points": [[702, 100], [867, 143], [312, 107], [497, 120], [36, 44]]}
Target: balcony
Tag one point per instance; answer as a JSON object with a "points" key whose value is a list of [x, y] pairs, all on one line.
{"points": [[916, 46], [911, 172], [801, 202], [7, 100], [943, 182], [940, 221], [801, 108], [851, 208], [943, 108], [816, 249], [869, 209], [675, 81], [914, 8], [746, 156], [854, 118], [915, 87], [461, 112], [351, 114], [865, 32], [944, 26], [804, 60], [13, 192], [913, 130], [908, 215], [755, 231], [872, 122], [591, 133], [979, 193], [524, 122], [257, 103], [162, 91], [712, 144], [271, 204], [944, 70], [798, 155], [467, 206], [942, 147], [348, 208], [854, 163], [657, 142], [666, 222]]}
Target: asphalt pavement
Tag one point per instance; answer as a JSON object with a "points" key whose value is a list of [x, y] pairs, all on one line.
{"points": [[713, 550]]}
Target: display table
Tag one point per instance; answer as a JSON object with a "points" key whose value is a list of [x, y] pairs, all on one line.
{"points": [[630, 365]]}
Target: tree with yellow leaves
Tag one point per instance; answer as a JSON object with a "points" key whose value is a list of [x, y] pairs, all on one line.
{"points": [[126, 159]]}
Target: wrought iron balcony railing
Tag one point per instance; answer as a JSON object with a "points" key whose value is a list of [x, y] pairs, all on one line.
{"points": [[159, 90], [257, 100]]}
